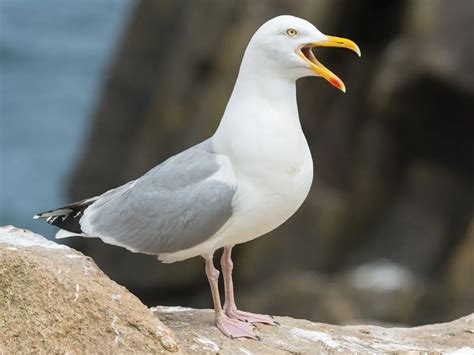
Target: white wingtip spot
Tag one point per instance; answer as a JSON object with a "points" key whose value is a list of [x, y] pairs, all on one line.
{"points": [[60, 234], [36, 216]]}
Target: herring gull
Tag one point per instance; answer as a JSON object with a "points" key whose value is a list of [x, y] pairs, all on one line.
{"points": [[244, 181]]}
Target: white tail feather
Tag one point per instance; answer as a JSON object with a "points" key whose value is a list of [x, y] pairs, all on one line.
{"points": [[66, 234]]}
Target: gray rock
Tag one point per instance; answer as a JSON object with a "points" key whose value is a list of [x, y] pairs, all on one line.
{"points": [[295, 336], [54, 299], [461, 268]]}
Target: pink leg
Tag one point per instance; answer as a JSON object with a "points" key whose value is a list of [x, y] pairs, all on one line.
{"points": [[230, 308], [232, 328]]}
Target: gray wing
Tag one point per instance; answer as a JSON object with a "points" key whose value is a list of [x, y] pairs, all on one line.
{"points": [[174, 206]]}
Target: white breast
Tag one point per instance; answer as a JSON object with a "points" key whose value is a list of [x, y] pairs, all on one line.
{"points": [[270, 158], [268, 197]]}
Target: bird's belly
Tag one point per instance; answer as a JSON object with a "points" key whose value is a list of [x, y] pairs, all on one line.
{"points": [[264, 202]]}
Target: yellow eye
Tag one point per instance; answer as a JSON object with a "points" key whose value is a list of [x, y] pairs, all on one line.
{"points": [[291, 32]]}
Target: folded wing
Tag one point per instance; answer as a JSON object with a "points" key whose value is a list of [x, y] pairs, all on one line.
{"points": [[177, 205]]}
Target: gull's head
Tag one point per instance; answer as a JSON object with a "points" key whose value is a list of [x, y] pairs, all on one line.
{"points": [[285, 45]]}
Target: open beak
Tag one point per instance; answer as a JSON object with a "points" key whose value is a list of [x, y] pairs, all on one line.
{"points": [[306, 53]]}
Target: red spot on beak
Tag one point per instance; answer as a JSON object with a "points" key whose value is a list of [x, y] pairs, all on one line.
{"points": [[335, 81]]}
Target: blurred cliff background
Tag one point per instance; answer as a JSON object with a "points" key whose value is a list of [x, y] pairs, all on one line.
{"points": [[94, 93]]}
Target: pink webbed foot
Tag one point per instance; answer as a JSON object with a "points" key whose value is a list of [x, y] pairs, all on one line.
{"points": [[250, 317], [234, 328]]}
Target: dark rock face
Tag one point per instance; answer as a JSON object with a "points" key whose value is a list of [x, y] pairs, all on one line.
{"points": [[393, 157]]}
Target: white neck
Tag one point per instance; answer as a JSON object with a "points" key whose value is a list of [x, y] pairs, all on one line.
{"points": [[262, 99], [260, 128], [263, 79]]}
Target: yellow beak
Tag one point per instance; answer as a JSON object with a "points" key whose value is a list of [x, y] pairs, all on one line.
{"points": [[306, 53]]}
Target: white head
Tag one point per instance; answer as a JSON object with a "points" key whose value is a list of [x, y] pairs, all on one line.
{"points": [[284, 45]]}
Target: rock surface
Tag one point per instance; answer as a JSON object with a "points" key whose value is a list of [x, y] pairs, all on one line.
{"points": [[295, 336], [54, 299]]}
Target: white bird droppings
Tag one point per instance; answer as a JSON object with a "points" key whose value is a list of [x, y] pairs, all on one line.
{"points": [[88, 269], [314, 336], [172, 309], [118, 337], [462, 351], [74, 256], [207, 344], [76, 295], [24, 238], [245, 351]]}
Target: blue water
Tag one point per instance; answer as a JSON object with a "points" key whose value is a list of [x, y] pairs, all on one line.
{"points": [[54, 56]]}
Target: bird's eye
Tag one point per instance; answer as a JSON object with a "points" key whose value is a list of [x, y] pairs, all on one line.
{"points": [[291, 32]]}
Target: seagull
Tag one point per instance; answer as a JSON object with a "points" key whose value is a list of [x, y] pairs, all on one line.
{"points": [[241, 183]]}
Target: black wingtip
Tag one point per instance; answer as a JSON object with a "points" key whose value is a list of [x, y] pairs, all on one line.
{"points": [[67, 217]]}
